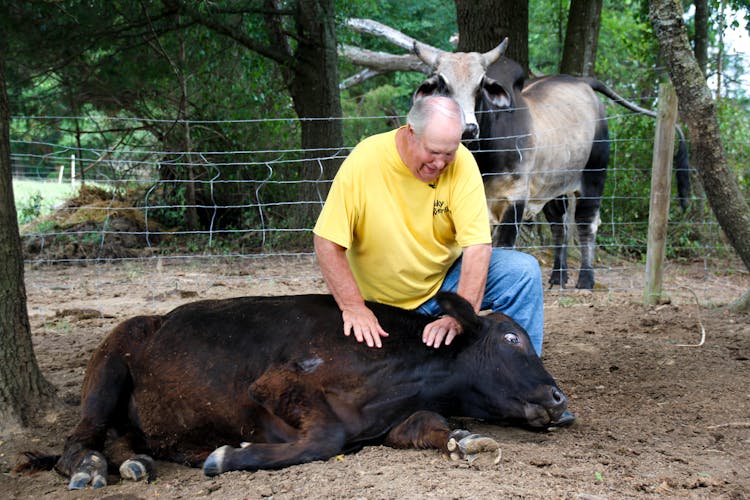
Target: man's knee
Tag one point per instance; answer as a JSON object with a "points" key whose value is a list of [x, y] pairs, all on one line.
{"points": [[521, 266]]}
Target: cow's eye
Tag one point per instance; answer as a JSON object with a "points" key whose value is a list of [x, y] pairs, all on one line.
{"points": [[512, 338]]}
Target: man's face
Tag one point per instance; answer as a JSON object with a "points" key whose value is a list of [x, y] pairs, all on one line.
{"points": [[434, 149]]}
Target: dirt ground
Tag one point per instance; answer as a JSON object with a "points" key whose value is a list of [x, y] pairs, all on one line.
{"points": [[657, 416]]}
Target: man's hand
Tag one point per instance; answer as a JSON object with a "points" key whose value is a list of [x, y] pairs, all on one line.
{"points": [[445, 328], [364, 324]]}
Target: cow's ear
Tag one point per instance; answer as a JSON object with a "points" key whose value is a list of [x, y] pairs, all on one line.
{"points": [[434, 85], [459, 308], [496, 94]]}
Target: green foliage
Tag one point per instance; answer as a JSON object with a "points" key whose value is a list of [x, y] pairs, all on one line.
{"points": [[547, 21], [34, 199], [390, 95], [30, 209], [84, 62], [734, 124]]}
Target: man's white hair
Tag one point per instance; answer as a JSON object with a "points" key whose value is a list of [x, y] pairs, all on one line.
{"points": [[425, 108]]}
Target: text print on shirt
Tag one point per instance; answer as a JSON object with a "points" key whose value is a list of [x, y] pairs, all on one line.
{"points": [[440, 207]]}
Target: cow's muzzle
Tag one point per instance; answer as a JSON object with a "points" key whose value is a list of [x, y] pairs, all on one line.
{"points": [[546, 409], [471, 132]]}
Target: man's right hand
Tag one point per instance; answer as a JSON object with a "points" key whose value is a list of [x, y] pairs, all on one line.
{"points": [[362, 321]]}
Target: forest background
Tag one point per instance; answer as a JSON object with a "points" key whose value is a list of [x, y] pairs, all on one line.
{"points": [[162, 99]]}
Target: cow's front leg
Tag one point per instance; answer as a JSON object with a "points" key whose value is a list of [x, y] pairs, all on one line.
{"points": [[310, 432], [89, 470], [506, 232], [587, 224], [321, 444], [138, 468], [556, 213], [426, 429]]}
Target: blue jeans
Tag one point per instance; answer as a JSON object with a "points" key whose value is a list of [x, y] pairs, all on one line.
{"points": [[514, 287]]}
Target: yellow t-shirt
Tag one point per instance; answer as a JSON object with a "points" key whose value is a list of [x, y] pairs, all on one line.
{"points": [[402, 234]]}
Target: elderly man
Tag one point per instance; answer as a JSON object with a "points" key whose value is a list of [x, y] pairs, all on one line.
{"points": [[406, 217]]}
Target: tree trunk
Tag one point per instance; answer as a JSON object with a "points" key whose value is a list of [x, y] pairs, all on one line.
{"points": [[720, 47], [183, 113], [701, 34], [484, 24], [698, 110], [315, 83], [23, 389], [581, 38], [310, 70], [315, 95]]}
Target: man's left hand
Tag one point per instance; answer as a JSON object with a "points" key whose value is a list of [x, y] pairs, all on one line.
{"points": [[442, 329]]}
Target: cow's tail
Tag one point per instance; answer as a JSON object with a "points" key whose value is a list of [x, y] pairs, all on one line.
{"points": [[681, 160], [33, 462]]}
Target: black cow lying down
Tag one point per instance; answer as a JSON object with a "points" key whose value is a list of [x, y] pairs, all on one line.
{"points": [[277, 372]]}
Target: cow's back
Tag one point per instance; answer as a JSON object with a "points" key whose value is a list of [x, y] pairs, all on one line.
{"points": [[191, 377], [199, 377], [566, 114]]}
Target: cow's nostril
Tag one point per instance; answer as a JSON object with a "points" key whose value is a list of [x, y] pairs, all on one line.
{"points": [[558, 396]]}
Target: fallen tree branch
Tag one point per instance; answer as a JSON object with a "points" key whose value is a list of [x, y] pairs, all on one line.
{"points": [[358, 78], [383, 61], [731, 425], [381, 30], [378, 63]]}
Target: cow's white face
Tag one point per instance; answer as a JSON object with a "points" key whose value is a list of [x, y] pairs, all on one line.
{"points": [[459, 75], [462, 74]]}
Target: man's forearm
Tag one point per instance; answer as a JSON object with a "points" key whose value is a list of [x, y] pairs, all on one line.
{"points": [[474, 266], [337, 274]]}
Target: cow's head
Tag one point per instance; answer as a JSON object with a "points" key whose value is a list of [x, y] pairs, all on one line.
{"points": [[462, 75], [519, 388]]}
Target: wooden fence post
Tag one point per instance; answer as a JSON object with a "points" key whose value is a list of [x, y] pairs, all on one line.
{"points": [[661, 187]]}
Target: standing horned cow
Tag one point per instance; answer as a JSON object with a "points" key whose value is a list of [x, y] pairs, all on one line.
{"points": [[538, 143]]}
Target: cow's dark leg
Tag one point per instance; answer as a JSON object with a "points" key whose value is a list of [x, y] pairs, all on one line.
{"points": [[555, 211], [428, 430], [129, 451], [588, 204], [295, 416], [587, 223], [506, 232], [422, 430], [317, 444], [106, 392], [82, 459], [269, 427]]}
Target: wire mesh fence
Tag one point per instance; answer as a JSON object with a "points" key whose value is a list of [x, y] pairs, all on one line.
{"points": [[135, 200]]}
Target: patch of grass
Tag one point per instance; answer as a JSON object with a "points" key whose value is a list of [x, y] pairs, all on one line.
{"points": [[37, 198]]}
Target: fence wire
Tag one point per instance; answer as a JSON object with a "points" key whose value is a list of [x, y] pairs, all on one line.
{"points": [[208, 206]]}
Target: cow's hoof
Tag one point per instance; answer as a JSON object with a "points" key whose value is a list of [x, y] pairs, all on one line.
{"points": [[138, 468], [585, 280], [92, 470], [80, 480], [476, 449], [558, 279], [215, 463], [471, 444]]}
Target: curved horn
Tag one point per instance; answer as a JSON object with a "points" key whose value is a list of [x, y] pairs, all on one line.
{"points": [[494, 54], [430, 55]]}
